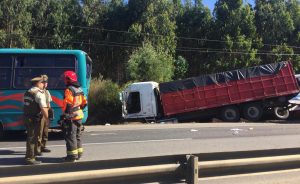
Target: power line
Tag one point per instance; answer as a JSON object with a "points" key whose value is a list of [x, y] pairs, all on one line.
{"points": [[203, 49], [207, 48], [88, 41], [185, 50], [236, 52], [158, 35]]}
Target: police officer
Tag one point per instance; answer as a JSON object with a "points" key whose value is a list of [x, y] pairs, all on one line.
{"points": [[34, 109], [74, 102], [44, 125]]}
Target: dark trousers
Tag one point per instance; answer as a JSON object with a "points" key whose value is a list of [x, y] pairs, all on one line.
{"points": [[32, 128], [73, 134]]}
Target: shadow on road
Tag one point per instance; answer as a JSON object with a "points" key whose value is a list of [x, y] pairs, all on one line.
{"points": [[21, 160], [284, 121], [12, 161], [51, 160], [10, 152], [13, 136]]}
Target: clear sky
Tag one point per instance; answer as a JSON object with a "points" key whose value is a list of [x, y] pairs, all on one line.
{"points": [[211, 3]]}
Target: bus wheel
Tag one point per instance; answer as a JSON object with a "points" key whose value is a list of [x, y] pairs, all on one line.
{"points": [[1, 131], [230, 114], [281, 113], [253, 112]]}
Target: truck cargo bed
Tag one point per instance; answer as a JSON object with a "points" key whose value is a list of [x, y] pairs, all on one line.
{"points": [[226, 88]]}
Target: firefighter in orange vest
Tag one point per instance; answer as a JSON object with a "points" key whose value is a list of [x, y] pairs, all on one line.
{"points": [[74, 102]]}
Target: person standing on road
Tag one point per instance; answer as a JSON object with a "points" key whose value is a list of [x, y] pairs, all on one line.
{"points": [[34, 109], [74, 102], [45, 122]]}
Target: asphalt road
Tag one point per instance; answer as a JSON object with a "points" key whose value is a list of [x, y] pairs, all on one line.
{"points": [[131, 141]]}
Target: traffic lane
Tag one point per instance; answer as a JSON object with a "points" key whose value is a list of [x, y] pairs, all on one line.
{"points": [[13, 156], [115, 150], [98, 134], [192, 132]]}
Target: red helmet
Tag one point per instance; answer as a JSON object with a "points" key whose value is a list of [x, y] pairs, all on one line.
{"points": [[70, 76]]}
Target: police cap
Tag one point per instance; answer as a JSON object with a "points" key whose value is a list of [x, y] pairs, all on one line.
{"points": [[37, 79], [45, 78]]}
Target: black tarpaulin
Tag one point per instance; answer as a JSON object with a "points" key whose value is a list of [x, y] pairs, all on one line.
{"points": [[222, 77]]}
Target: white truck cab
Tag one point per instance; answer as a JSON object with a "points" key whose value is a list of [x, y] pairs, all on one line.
{"points": [[139, 100]]}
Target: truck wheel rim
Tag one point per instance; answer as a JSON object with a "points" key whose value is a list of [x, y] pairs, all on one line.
{"points": [[230, 114], [253, 112], [281, 113]]}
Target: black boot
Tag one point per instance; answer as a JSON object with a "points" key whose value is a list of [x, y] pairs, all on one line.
{"points": [[79, 156], [38, 154], [46, 150], [69, 159]]}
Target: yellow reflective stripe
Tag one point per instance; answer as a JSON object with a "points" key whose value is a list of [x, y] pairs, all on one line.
{"points": [[80, 150], [79, 115], [74, 152]]}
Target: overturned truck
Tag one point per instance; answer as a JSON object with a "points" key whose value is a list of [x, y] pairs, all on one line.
{"points": [[226, 95]]}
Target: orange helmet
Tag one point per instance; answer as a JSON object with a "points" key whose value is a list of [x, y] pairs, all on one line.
{"points": [[70, 77]]}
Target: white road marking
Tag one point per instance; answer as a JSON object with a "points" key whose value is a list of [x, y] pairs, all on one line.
{"points": [[103, 134], [106, 143]]}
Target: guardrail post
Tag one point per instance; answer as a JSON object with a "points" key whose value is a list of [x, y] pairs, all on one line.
{"points": [[192, 169]]}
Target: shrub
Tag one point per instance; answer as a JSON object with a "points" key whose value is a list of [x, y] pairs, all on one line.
{"points": [[148, 64], [104, 103]]}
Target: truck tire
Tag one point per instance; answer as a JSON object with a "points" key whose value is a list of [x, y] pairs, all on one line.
{"points": [[281, 113], [253, 112], [230, 114]]}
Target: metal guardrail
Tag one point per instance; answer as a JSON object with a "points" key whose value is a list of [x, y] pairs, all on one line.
{"points": [[96, 175], [180, 166]]}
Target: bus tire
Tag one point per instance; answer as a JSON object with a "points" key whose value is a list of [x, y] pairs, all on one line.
{"points": [[253, 112], [230, 114], [1, 131], [281, 113]]}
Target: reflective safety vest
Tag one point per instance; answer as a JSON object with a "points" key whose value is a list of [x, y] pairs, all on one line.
{"points": [[74, 102], [30, 107]]}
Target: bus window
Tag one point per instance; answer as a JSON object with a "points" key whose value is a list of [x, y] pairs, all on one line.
{"points": [[88, 67], [88, 70], [45, 61], [29, 66], [65, 61], [5, 71]]}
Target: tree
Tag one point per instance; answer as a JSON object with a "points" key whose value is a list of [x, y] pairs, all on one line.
{"points": [[194, 22], [148, 64], [92, 35], [293, 7], [274, 24], [53, 20], [15, 23], [157, 24], [273, 21], [281, 53], [117, 18], [234, 25], [181, 67]]}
